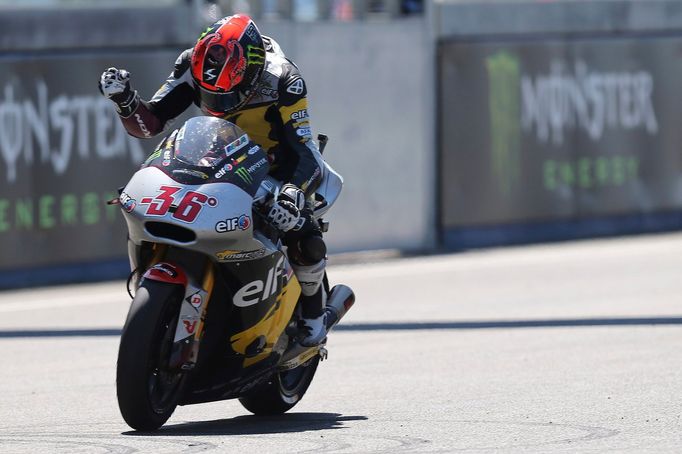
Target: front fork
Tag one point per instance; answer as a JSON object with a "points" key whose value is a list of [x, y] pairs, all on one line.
{"points": [[192, 314]]}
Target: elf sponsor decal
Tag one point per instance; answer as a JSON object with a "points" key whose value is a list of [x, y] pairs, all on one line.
{"points": [[271, 92], [299, 114], [222, 172], [258, 290], [242, 222]]}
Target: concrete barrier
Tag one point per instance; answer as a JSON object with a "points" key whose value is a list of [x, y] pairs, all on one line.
{"points": [[370, 88]]}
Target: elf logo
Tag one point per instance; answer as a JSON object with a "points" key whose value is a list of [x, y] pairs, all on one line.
{"points": [[257, 291]]}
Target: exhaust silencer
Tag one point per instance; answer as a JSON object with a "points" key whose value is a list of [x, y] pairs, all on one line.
{"points": [[341, 299]]}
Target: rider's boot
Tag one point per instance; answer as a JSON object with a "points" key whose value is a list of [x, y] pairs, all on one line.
{"points": [[313, 302]]}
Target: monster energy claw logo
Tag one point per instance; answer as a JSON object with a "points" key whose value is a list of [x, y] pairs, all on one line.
{"points": [[204, 33], [255, 55], [244, 175], [503, 102]]}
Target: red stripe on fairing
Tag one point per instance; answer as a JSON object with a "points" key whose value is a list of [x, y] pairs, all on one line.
{"points": [[161, 272]]}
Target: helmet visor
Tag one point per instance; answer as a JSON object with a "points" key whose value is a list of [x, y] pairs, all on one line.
{"points": [[226, 102]]}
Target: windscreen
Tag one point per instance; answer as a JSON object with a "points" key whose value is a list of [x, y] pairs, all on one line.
{"points": [[207, 141]]}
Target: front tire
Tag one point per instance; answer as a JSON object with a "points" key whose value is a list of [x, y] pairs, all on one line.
{"points": [[284, 390], [148, 391]]}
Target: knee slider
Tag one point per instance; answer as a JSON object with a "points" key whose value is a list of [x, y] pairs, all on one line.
{"points": [[313, 249]]}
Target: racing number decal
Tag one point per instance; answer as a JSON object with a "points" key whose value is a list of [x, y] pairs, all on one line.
{"points": [[160, 205], [187, 210], [190, 206]]}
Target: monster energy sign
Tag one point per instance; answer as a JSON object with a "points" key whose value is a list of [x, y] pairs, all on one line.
{"points": [[543, 130], [63, 154]]}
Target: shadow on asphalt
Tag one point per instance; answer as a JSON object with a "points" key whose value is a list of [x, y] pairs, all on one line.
{"points": [[255, 425], [399, 326]]}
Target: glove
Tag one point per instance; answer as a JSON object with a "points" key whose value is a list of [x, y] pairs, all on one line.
{"points": [[285, 212], [115, 85]]}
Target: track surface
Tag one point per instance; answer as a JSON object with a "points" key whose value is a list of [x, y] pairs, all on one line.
{"points": [[574, 347]]}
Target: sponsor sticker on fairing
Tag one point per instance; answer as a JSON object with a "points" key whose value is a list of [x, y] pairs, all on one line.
{"points": [[222, 172], [230, 255], [127, 202], [257, 165], [242, 222], [236, 145]]}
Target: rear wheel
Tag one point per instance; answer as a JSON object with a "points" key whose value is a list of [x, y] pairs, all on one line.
{"points": [[284, 390], [148, 390]]}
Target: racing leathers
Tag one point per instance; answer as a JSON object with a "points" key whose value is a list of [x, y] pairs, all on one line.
{"points": [[276, 118]]}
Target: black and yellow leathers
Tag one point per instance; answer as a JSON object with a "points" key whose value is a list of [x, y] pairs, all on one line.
{"points": [[276, 118]]}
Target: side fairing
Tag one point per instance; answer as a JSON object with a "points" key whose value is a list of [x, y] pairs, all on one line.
{"points": [[264, 295]]}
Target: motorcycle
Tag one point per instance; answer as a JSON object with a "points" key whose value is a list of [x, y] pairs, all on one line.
{"points": [[215, 311]]}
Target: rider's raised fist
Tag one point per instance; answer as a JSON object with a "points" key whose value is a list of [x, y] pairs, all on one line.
{"points": [[115, 85]]}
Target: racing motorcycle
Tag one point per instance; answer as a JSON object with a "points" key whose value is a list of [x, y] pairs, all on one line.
{"points": [[215, 311]]}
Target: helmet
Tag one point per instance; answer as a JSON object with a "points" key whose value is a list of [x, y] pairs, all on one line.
{"points": [[227, 64]]}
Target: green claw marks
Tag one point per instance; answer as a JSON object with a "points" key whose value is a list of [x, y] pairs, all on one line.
{"points": [[255, 55], [205, 32]]}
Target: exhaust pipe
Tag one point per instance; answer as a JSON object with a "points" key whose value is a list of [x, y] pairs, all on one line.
{"points": [[341, 299]]}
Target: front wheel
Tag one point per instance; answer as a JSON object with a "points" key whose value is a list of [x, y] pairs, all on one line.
{"points": [[148, 390], [284, 390]]}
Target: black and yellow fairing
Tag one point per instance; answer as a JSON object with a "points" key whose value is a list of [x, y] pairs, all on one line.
{"points": [[257, 325]]}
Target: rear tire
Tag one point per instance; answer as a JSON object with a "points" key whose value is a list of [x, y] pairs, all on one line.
{"points": [[283, 391], [147, 390]]}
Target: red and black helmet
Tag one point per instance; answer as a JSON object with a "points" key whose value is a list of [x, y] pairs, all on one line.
{"points": [[227, 64]]}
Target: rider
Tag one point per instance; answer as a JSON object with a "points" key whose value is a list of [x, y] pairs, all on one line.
{"points": [[234, 72]]}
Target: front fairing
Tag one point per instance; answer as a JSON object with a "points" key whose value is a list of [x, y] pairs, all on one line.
{"points": [[196, 191]]}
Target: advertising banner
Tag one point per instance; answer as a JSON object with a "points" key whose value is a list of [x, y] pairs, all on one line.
{"points": [[548, 130], [64, 153]]}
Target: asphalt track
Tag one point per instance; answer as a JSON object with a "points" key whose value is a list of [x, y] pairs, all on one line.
{"points": [[573, 347]]}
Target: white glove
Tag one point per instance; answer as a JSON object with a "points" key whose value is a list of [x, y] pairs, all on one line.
{"points": [[115, 85], [286, 210]]}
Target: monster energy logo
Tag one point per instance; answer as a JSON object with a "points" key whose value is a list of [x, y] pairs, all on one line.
{"points": [[204, 33], [504, 107], [255, 55], [244, 175], [153, 156]]}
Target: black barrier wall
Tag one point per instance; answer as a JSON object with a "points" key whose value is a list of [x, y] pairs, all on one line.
{"points": [[64, 153], [540, 130]]}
